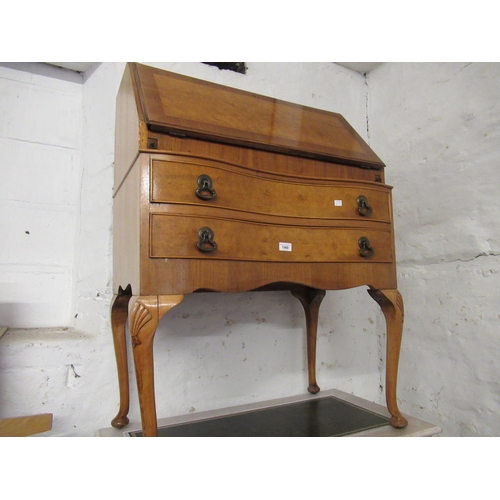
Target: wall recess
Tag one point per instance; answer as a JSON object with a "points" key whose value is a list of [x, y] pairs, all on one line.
{"points": [[239, 67]]}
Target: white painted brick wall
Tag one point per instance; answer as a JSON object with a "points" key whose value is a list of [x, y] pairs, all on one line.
{"points": [[437, 126], [40, 145]]}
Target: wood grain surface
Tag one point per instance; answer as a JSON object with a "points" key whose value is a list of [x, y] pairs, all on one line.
{"points": [[175, 103]]}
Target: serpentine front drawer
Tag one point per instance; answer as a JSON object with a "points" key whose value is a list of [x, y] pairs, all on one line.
{"points": [[198, 182], [179, 236]]}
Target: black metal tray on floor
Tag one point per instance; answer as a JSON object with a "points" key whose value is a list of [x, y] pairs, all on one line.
{"points": [[318, 417]]}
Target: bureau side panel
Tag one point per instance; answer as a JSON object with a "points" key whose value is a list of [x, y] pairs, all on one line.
{"points": [[126, 232], [127, 129]]}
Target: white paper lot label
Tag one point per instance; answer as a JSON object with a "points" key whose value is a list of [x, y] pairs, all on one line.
{"points": [[285, 247], [337, 203]]}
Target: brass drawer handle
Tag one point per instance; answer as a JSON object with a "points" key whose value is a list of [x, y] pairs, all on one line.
{"points": [[205, 189], [363, 207], [365, 250], [206, 241]]}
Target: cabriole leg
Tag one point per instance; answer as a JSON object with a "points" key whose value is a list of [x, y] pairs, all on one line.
{"points": [[391, 303], [146, 312], [119, 314], [310, 298]]}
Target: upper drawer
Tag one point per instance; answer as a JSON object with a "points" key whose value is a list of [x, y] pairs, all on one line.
{"points": [[181, 236], [178, 182]]}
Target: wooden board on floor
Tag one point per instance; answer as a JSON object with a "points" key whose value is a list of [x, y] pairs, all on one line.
{"points": [[25, 426]]}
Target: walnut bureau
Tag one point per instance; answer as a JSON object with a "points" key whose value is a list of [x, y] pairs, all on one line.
{"points": [[217, 189]]}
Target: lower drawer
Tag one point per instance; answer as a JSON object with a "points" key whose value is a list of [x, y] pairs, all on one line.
{"points": [[179, 236]]}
